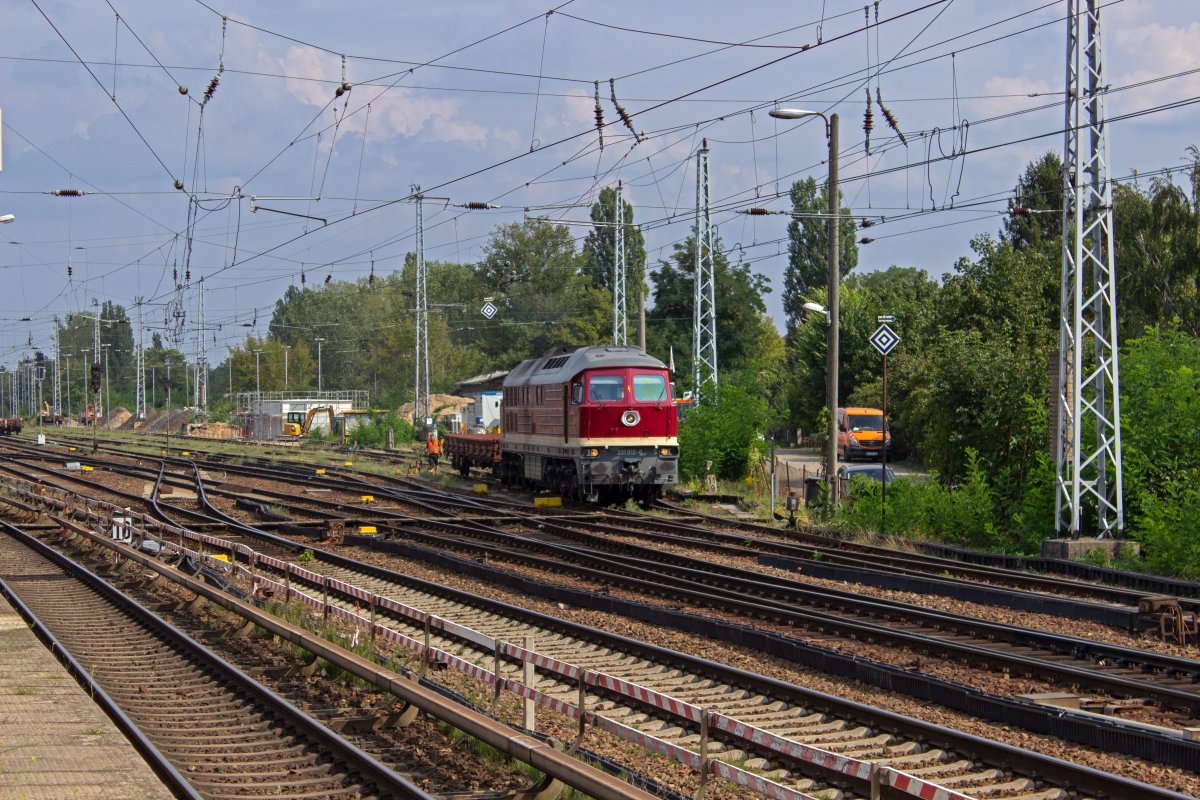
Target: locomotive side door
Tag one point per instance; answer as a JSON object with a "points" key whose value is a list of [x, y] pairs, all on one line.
{"points": [[572, 398]]}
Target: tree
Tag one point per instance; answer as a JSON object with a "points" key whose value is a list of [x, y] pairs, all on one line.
{"points": [[1035, 220], [742, 322], [532, 270], [808, 248], [1157, 246], [599, 249], [1160, 399]]}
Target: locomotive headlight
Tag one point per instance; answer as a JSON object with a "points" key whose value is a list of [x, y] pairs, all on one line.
{"points": [[591, 452], [668, 452]]}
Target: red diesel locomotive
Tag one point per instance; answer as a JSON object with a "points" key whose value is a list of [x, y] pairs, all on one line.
{"points": [[595, 423]]}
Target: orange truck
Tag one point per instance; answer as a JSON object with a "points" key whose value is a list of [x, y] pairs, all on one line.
{"points": [[862, 434]]}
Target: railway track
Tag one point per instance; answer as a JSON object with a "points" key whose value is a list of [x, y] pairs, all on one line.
{"points": [[228, 735], [515, 519], [1117, 671], [969, 765]]}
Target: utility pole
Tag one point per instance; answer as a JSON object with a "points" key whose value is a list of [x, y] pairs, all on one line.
{"points": [[421, 388], [319, 341], [1088, 442], [834, 292], [286, 349], [704, 317], [257, 375], [620, 323]]}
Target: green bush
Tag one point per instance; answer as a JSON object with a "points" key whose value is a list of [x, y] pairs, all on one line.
{"points": [[1168, 528], [723, 429], [921, 509], [374, 432]]}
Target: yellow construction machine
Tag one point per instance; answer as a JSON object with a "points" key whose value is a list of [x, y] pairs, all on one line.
{"points": [[299, 423]]}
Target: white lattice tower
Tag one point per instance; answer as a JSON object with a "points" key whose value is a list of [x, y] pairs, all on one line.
{"points": [[96, 332], [139, 402], [200, 370], [1088, 447], [704, 317], [620, 307], [57, 382], [421, 389]]}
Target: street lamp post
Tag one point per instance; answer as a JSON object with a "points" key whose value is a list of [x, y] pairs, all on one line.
{"points": [[833, 290], [319, 341]]}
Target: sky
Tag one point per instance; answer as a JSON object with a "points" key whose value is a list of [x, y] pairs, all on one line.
{"points": [[285, 182]]}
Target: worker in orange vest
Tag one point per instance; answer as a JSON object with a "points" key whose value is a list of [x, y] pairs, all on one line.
{"points": [[433, 450]]}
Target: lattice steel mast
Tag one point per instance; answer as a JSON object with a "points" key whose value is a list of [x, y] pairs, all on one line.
{"points": [[139, 402], [704, 318], [58, 409], [620, 310], [200, 393], [421, 391], [1089, 493]]}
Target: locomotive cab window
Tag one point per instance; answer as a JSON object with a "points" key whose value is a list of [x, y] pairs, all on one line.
{"points": [[650, 388], [606, 388]]}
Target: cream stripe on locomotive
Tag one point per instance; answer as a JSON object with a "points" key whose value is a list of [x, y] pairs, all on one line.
{"points": [[626, 441]]}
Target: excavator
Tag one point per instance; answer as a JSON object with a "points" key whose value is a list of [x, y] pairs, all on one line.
{"points": [[299, 423]]}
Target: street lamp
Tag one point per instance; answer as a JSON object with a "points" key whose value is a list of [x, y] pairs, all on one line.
{"points": [[318, 341], [832, 290], [817, 308]]}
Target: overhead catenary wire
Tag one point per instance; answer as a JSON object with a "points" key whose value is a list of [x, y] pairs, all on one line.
{"points": [[870, 173]]}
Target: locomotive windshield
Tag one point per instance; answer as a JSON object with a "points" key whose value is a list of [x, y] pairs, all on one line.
{"points": [[650, 388], [606, 388]]}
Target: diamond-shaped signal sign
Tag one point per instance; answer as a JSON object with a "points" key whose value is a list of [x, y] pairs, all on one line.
{"points": [[488, 310], [884, 339]]}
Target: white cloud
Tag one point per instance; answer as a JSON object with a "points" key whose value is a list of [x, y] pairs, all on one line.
{"points": [[395, 112]]}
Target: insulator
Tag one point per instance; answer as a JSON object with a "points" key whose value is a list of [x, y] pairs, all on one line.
{"points": [[867, 223], [890, 117], [328, 278], [69, 272], [612, 88], [865, 240], [68, 193], [175, 274], [758, 212], [599, 116], [212, 88], [303, 280], [187, 276], [868, 124]]}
